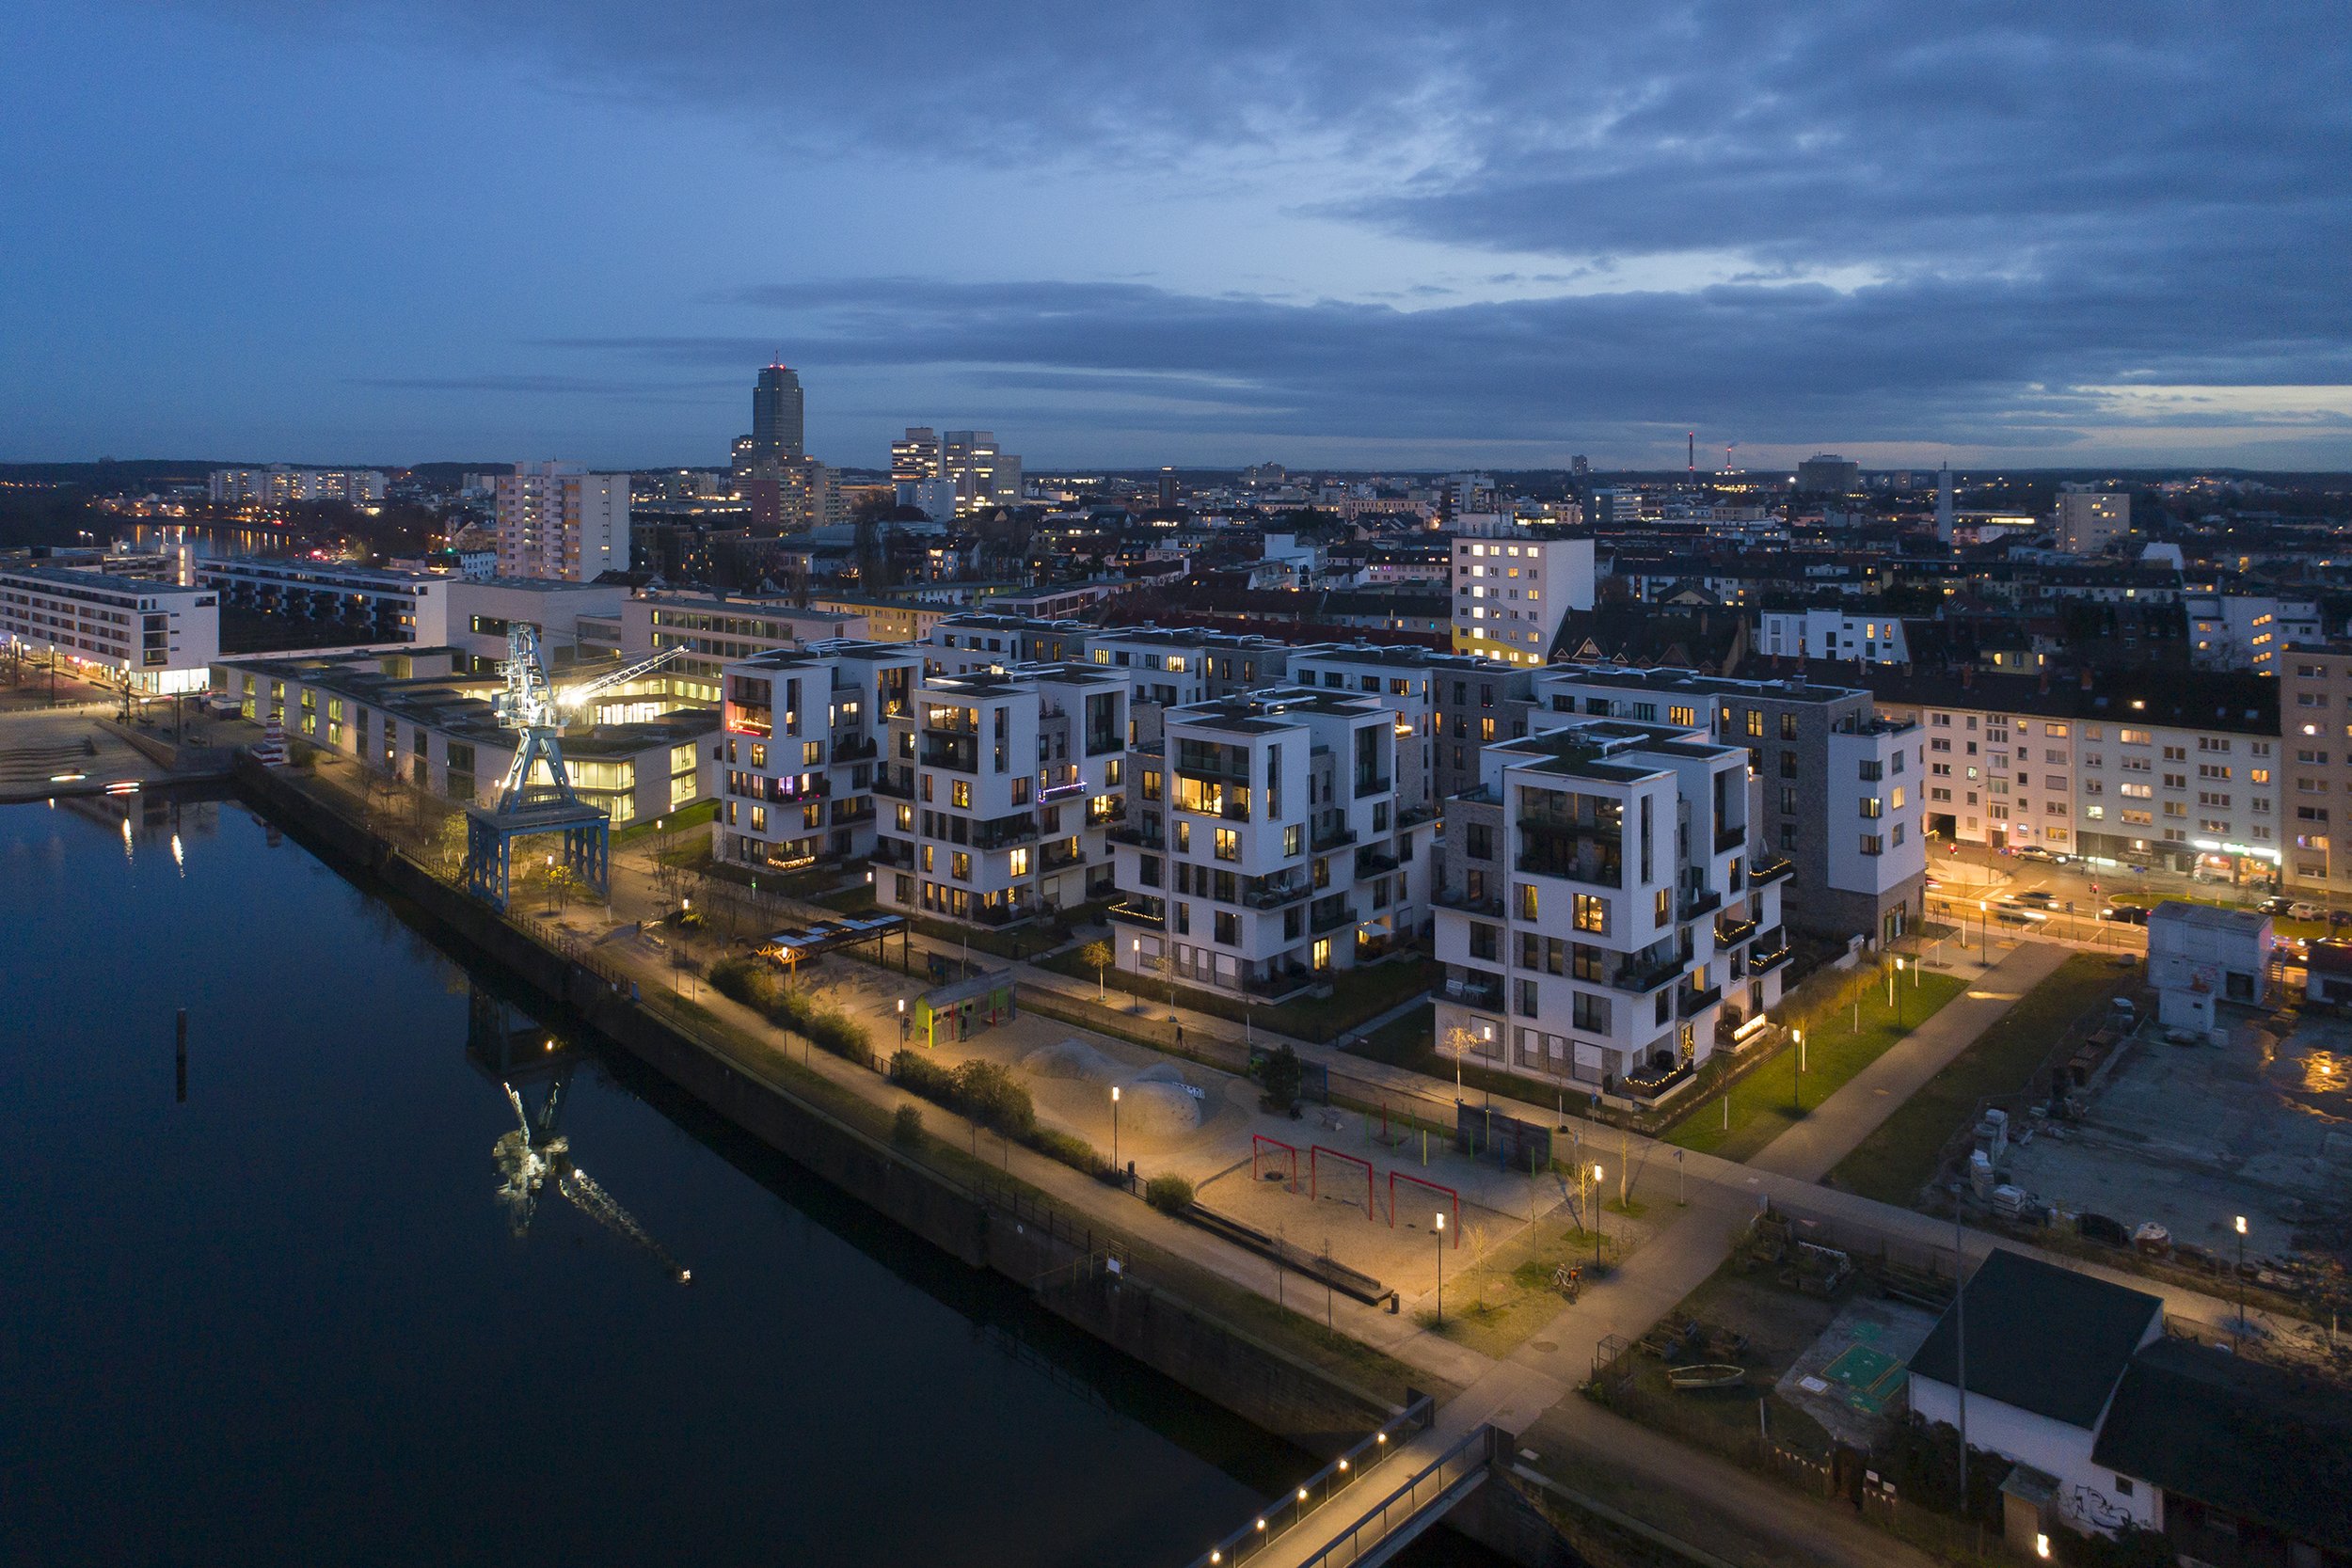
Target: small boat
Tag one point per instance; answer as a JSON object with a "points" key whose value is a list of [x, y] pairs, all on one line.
{"points": [[1707, 1374]]}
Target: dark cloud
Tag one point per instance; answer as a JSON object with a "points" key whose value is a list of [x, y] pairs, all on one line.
{"points": [[2043, 197], [1986, 362]]}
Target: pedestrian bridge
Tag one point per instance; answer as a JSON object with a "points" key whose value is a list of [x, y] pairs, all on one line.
{"points": [[1368, 1504]]}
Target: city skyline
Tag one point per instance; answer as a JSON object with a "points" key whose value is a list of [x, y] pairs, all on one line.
{"points": [[1197, 237]]}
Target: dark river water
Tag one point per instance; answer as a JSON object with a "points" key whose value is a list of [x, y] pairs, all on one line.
{"points": [[292, 1319]]}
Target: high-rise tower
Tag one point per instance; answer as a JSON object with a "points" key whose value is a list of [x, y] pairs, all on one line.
{"points": [[776, 416]]}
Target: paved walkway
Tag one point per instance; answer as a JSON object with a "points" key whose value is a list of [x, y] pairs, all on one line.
{"points": [[1832, 1128]]}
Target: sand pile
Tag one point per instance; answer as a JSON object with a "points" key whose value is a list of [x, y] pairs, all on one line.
{"points": [[1074, 1060], [1158, 1107]]}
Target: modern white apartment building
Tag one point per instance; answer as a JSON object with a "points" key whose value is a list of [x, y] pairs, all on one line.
{"points": [[556, 520], [1170, 667], [964, 643], [397, 606], [2179, 771], [1513, 584], [803, 732], [1403, 681], [1833, 632], [1838, 784], [2315, 768], [1262, 847], [164, 637], [1599, 924], [2246, 631], [998, 791], [277, 484]]}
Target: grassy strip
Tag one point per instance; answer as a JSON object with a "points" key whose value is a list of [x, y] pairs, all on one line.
{"points": [[1835, 1051], [1895, 1162], [1357, 995], [1411, 1042]]}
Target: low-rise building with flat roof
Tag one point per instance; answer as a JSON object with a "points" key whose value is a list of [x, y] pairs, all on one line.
{"points": [[160, 637]]}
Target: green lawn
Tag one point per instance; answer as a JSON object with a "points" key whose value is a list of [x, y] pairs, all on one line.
{"points": [[1357, 995], [1895, 1162], [1411, 1042], [1761, 1108]]}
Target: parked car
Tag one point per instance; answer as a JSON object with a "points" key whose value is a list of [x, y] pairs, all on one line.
{"points": [[2275, 908], [2299, 910], [2035, 853], [2124, 914]]}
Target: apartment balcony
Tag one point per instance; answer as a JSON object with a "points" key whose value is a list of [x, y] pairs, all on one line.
{"points": [[1135, 914], [1759, 874], [1731, 838], [1003, 833], [1275, 895], [857, 809], [1643, 977], [1061, 791], [1653, 1083], [1337, 838], [1280, 983], [1414, 817], [854, 748], [1104, 741], [1057, 856], [1136, 836], [1475, 989], [1331, 919], [894, 853], [897, 790], [1445, 898], [1370, 784], [958, 754], [1730, 933], [1106, 808], [1689, 1003], [1696, 902], [1371, 862], [1764, 963]]}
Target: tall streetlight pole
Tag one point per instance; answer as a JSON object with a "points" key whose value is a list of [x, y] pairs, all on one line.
{"points": [[1796, 1074], [1595, 1217], [2237, 1333], [1440, 1234], [1115, 1164]]}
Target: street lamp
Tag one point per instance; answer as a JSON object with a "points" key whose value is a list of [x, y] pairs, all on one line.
{"points": [[1115, 1127], [1596, 1217], [1984, 931], [2240, 1329], [1440, 1233], [1796, 1075], [1898, 994]]}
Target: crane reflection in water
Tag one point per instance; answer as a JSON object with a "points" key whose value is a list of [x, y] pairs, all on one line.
{"points": [[535, 1155]]}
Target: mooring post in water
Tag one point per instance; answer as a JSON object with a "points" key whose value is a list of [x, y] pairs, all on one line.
{"points": [[181, 1055]]}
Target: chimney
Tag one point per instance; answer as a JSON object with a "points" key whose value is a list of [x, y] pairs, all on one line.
{"points": [[2045, 680], [2085, 677], [1968, 676]]}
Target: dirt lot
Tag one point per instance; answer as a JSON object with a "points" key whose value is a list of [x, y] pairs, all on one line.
{"points": [[2191, 1136]]}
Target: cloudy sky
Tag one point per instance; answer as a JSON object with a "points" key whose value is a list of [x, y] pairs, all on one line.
{"points": [[1363, 233]]}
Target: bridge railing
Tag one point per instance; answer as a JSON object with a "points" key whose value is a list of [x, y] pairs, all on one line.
{"points": [[1470, 1454], [1283, 1514]]}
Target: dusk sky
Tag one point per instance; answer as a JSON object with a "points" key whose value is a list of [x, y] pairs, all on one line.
{"points": [[1361, 235]]}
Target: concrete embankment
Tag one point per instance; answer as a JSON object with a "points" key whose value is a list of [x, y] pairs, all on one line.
{"points": [[1006, 1229]]}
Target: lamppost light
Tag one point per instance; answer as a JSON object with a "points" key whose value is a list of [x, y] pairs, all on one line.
{"points": [[2241, 1224]]}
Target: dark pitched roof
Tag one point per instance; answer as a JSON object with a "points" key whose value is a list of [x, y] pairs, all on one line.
{"points": [[2237, 1435], [2040, 1337]]}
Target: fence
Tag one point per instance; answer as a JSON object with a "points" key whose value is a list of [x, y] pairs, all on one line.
{"points": [[1285, 1512]]}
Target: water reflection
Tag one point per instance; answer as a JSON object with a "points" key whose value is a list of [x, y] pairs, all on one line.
{"points": [[535, 1155]]}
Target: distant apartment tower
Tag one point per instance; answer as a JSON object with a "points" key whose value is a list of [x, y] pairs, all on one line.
{"points": [[557, 521], [1167, 489], [1828, 474], [1513, 585], [279, 484], [777, 425], [2088, 519]]}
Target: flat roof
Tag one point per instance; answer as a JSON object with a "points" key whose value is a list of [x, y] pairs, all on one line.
{"points": [[73, 576], [2244, 923]]}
